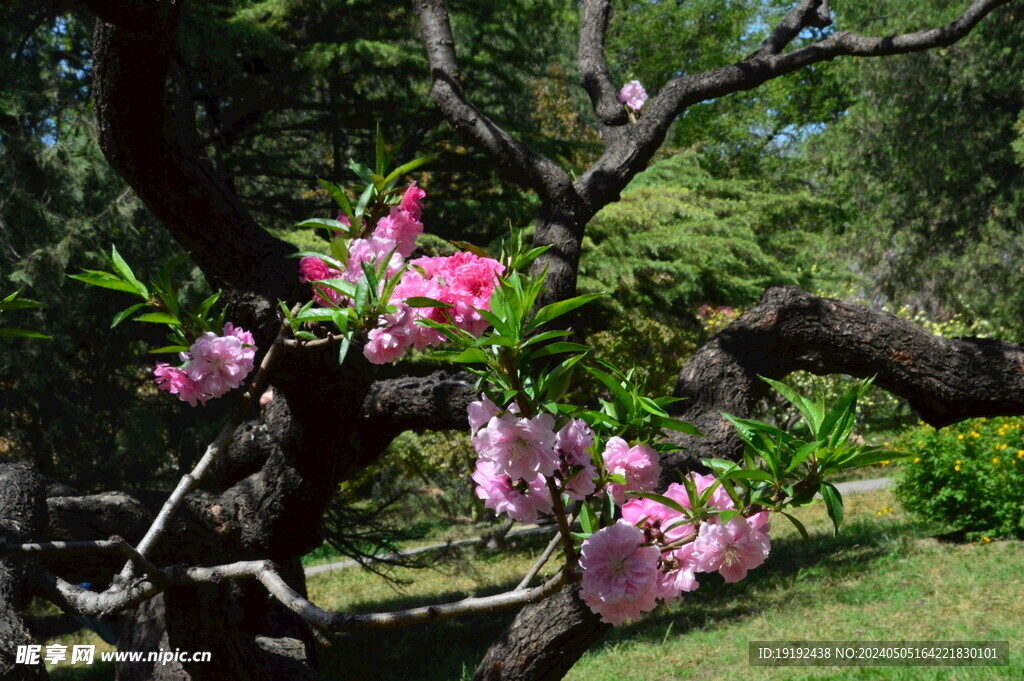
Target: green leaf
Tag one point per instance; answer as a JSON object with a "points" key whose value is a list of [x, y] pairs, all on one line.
{"points": [[556, 310], [104, 280], [364, 200], [470, 356], [158, 318], [750, 474], [811, 412], [669, 423], [661, 499], [339, 196], [557, 349], [801, 454], [126, 273], [381, 150], [305, 335], [169, 348], [123, 314], [408, 167], [833, 502], [588, 519], [323, 223], [546, 336], [361, 171], [21, 333], [798, 525], [614, 387], [346, 343], [423, 301]]}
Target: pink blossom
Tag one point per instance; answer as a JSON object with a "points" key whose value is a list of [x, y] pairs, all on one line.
{"points": [[521, 500], [343, 219], [719, 498], [677, 573], [248, 344], [580, 484], [176, 381], [388, 341], [619, 576], [372, 251], [633, 95], [573, 441], [267, 397], [412, 201], [218, 363], [731, 549], [312, 269], [639, 465], [400, 227], [663, 523], [480, 412], [519, 448], [464, 281]]}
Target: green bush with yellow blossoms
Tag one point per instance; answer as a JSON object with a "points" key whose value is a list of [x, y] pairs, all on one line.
{"points": [[969, 476]]}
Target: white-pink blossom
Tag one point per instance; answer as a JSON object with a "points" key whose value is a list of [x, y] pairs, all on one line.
{"points": [[620, 577], [638, 465], [731, 549], [633, 95], [519, 448], [522, 501]]}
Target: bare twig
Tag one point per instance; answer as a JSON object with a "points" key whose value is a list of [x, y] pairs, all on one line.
{"points": [[548, 550]]}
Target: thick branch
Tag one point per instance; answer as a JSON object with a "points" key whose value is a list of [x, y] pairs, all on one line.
{"points": [[594, 68], [809, 13], [944, 380], [532, 168]]}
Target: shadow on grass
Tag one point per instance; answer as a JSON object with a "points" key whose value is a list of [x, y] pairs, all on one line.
{"points": [[446, 650], [793, 562], [451, 650]]}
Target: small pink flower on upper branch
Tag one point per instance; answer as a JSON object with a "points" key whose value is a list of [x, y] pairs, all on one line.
{"points": [[176, 381], [633, 95], [387, 342], [213, 366]]}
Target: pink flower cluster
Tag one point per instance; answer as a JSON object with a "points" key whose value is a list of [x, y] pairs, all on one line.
{"points": [[463, 281], [213, 366], [633, 95], [518, 455], [638, 465], [651, 554]]}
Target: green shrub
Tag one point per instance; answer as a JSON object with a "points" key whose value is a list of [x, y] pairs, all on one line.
{"points": [[969, 476]]}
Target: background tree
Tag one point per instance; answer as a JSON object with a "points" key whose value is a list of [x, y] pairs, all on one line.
{"points": [[267, 497]]}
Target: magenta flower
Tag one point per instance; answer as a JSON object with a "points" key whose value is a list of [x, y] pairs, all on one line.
{"points": [[218, 364], [176, 381], [519, 448], [248, 344], [639, 465], [522, 501], [412, 201], [633, 95], [401, 228], [619, 575], [388, 341], [730, 549], [312, 269]]}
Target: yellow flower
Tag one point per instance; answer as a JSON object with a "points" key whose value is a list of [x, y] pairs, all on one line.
{"points": [[917, 459], [960, 436], [1020, 453], [995, 459], [957, 468], [975, 433]]}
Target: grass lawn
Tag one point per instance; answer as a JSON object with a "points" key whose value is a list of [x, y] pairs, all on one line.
{"points": [[881, 579]]}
